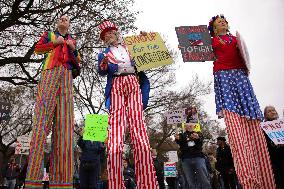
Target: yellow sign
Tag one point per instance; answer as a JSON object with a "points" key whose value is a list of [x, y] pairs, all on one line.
{"points": [[148, 51]]}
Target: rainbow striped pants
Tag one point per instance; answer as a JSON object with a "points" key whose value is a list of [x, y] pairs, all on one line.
{"points": [[249, 150], [126, 108], [53, 112]]}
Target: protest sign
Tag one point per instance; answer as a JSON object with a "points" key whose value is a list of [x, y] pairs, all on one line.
{"points": [[96, 127], [5, 110], [172, 156], [148, 51], [170, 169], [175, 116], [195, 43], [23, 145], [274, 130]]}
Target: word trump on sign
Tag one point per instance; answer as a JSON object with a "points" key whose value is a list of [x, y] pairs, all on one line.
{"points": [[274, 130], [148, 51]]}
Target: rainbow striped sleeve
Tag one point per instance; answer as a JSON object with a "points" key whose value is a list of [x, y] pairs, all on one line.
{"points": [[45, 44]]}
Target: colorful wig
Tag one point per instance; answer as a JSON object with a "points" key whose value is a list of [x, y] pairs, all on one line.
{"points": [[211, 23]]}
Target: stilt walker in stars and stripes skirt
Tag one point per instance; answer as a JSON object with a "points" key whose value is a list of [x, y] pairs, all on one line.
{"points": [[237, 104], [54, 109], [125, 98]]}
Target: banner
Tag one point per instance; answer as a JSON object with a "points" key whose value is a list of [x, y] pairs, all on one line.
{"points": [[96, 127], [148, 51], [170, 169], [274, 130], [195, 43], [23, 145], [5, 110], [172, 156]]}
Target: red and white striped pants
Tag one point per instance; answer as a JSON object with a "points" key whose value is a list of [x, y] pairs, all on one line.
{"points": [[126, 105], [249, 150]]}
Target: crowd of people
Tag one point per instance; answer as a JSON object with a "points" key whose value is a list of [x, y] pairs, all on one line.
{"points": [[249, 160]]}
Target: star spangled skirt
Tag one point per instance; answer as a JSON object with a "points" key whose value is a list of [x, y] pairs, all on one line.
{"points": [[234, 92]]}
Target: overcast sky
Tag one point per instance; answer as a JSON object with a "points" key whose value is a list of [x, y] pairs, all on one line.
{"points": [[260, 23]]}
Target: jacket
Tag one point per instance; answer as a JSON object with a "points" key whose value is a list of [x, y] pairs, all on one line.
{"points": [[189, 147], [112, 68], [91, 150], [57, 55], [224, 159]]}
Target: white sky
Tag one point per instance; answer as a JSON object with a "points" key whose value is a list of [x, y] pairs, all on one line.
{"points": [[260, 23]]}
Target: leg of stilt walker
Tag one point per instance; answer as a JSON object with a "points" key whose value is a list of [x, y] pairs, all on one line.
{"points": [[116, 136], [44, 110], [261, 154], [241, 151], [61, 161], [145, 172]]}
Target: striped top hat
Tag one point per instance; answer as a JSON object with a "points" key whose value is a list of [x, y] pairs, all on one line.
{"points": [[106, 26]]}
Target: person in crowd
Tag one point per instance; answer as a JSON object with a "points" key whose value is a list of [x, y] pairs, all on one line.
{"points": [[90, 162], [45, 179], [225, 163], [192, 158], [22, 175], [214, 174], [54, 108], [237, 104], [159, 167], [127, 93], [128, 175], [11, 172], [276, 152]]}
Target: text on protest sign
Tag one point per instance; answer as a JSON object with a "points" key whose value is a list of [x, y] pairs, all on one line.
{"points": [[172, 156], [23, 145], [148, 51], [195, 43], [170, 169], [96, 127], [274, 130], [176, 116], [5, 110]]}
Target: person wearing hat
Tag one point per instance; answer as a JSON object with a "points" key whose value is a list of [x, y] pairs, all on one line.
{"points": [[237, 104], [225, 163], [126, 93], [54, 108], [192, 157]]}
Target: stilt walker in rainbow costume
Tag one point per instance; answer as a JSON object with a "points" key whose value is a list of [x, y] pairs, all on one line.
{"points": [[54, 109], [237, 103], [125, 97]]}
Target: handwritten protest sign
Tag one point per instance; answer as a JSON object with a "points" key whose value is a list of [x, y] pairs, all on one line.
{"points": [[186, 115], [148, 51], [23, 145], [195, 43], [275, 130], [5, 110], [172, 156], [170, 169], [176, 116], [96, 127]]}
